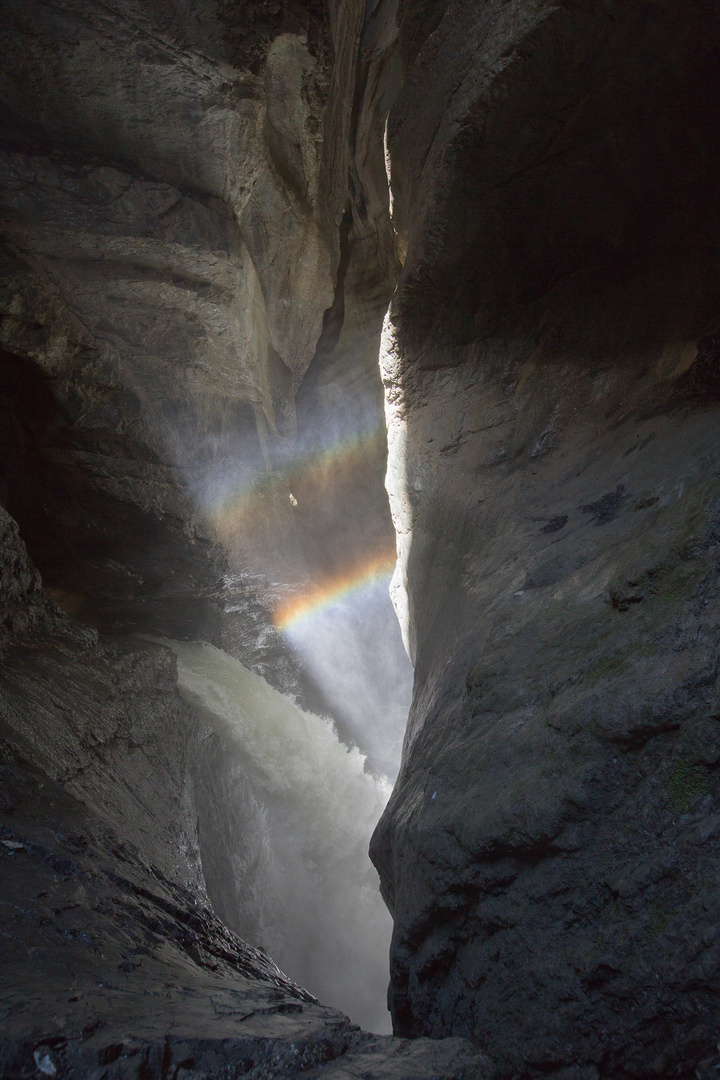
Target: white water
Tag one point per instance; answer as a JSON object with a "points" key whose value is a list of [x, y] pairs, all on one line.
{"points": [[353, 650], [324, 921]]}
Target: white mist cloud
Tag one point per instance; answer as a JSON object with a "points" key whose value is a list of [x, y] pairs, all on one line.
{"points": [[324, 921], [353, 650]]}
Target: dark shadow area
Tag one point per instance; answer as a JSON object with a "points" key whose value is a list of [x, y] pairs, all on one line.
{"points": [[104, 559], [578, 208]]}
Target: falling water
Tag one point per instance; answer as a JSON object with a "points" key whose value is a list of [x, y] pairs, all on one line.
{"points": [[323, 920], [353, 650]]}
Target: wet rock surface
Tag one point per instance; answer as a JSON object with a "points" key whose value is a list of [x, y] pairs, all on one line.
{"points": [[111, 968], [113, 960], [193, 212], [197, 250], [547, 850], [174, 210], [172, 189]]}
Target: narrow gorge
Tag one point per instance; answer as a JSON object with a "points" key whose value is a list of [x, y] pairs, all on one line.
{"points": [[359, 489]]}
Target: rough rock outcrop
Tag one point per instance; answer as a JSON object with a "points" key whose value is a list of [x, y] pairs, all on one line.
{"points": [[196, 255], [110, 967], [178, 235], [184, 232], [113, 960], [551, 389]]}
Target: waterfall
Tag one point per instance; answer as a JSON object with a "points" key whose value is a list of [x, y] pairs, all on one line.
{"points": [[322, 918]]}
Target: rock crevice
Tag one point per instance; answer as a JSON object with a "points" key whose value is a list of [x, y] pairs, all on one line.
{"points": [[205, 213]]}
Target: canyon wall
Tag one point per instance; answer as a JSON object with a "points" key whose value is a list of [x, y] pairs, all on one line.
{"points": [[184, 227], [198, 249], [184, 233], [550, 361], [114, 962]]}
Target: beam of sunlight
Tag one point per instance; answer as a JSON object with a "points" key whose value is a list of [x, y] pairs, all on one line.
{"points": [[309, 518], [324, 921], [345, 631], [372, 569], [230, 495]]}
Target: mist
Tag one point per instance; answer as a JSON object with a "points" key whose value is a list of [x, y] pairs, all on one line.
{"points": [[306, 515], [322, 918], [353, 650]]}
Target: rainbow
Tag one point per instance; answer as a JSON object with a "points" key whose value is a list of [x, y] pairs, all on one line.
{"points": [[227, 508], [293, 611], [339, 454]]}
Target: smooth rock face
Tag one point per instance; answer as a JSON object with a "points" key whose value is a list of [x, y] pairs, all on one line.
{"points": [[172, 183], [551, 395], [193, 211]]}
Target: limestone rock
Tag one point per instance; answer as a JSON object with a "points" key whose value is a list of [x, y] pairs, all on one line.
{"points": [[197, 250], [24, 605], [547, 850]]}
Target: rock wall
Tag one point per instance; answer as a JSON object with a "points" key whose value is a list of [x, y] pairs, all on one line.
{"points": [[173, 191], [177, 238], [197, 252], [113, 960], [178, 242], [551, 393]]}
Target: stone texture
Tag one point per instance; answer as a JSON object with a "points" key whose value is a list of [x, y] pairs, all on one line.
{"points": [[196, 255], [183, 229], [23, 603], [110, 968], [172, 184], [111, 804], [550, 394], [193, 204]]}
